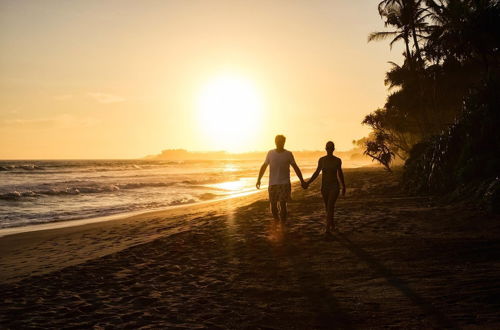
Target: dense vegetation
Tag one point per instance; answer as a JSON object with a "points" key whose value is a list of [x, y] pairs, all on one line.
{"points": [[442, 113]]}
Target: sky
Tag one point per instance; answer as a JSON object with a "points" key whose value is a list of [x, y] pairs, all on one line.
{"points": [[125, 79]]}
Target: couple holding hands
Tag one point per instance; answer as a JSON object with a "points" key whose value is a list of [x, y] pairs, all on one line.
{"points": [[279, 161]]}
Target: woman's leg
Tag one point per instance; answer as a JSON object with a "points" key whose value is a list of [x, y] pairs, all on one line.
{"points": [[330, 208], [325, 193]]}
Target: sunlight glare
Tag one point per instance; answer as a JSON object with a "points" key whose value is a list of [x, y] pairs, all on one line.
{"points": [[230, 185], [230, 108]]}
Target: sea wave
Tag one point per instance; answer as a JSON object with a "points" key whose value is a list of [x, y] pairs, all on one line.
{"points": [[37, 191], [23, 167], [10, 221], [75, 190], [56, 167]]}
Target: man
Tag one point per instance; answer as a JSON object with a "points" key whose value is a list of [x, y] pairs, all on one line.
{"points": [[279, 161]]}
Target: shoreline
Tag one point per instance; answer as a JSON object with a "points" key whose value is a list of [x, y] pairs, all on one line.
{"points": [[43, 248], [13, 230], [60, 244], [118, 216]]}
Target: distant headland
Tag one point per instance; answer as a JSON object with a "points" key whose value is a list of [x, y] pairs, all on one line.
{"points": [[183, 154]]}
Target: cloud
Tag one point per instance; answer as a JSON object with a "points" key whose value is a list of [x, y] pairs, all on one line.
{"points": [[63, 97], [63, 120], [106, 98], [30, 122]]}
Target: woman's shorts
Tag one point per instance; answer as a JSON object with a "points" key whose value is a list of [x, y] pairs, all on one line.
{"points": [[280, 193]]}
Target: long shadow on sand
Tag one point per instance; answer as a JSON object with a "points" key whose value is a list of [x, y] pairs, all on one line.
{"points": [[329, 312], [441, 320], [296, 270]]}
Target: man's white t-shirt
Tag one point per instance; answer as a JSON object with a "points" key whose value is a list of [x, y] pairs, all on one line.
{"points": [[279, 166]]}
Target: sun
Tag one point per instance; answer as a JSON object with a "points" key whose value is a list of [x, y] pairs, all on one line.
{"points": [[229, 110]]}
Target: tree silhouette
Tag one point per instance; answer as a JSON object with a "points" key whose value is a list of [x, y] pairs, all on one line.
{"points": [[451, 48]]}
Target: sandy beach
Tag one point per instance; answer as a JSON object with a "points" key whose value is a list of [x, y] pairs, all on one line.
{"points": [[395, 261]]}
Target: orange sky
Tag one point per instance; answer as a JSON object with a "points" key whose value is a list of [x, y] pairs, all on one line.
{"points": [[123, 79]]}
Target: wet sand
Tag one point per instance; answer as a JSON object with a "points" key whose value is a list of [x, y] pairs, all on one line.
{"points": [[395, 261]]}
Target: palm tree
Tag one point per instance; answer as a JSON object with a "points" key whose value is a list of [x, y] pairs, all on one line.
{"points": [[409, 17], [417, 22], [394, 17], [464, 30]]}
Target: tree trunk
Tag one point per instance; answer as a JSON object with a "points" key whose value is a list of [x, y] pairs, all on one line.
{"points": [[408, 53], [417, 47]]}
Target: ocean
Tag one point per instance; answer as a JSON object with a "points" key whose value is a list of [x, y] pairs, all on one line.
{"points": [[35, 192]]}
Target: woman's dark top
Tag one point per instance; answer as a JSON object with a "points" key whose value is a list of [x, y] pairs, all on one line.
{"points": [[329, 166]]}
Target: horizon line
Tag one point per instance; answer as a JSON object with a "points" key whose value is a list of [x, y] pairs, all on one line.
{"points": [[153, 155]]}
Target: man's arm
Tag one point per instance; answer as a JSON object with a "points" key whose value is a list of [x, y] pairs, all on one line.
{"points": [[261, 173], [340, 174], [293, 163], [315, 174], [298, 172]]}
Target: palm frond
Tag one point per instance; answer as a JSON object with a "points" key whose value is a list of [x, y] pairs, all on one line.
{"points": [[378, 36], [398, 37]]}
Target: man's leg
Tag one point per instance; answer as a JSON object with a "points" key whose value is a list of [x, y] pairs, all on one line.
{"points": [[284, 197], [283, 211], [273, 202], [274, 210]]}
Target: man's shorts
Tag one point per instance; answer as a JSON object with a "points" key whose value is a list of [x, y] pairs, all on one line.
{"points": [[280, 193]]}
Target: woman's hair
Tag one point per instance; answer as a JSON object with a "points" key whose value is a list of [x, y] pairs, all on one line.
{"points": [[330, 146]]}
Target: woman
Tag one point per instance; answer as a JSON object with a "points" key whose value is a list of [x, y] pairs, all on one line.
{"points": [[330, 188]]}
